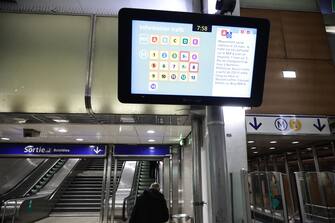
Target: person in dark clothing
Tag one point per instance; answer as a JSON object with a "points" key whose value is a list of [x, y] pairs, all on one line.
{"points": [[150, 207]]}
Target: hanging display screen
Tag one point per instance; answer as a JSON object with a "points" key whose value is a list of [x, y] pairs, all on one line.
{"points": [[186, 58]]}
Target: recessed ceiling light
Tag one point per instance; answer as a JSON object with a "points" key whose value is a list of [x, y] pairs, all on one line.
{"points": [[79, 139], [151, 148], [272, 148], [273, 142], [250, 141], [295, 142], [255, 152], [151, 140], [309, 148], [5, 138], [61, 120], [254, 147], [151, 131], [289, 74], [61, 130]]}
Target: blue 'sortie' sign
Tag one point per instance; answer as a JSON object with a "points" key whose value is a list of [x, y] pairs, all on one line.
{"points": [[57, 150]]}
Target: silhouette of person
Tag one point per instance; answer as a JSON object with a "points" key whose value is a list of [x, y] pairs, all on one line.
{"points": [[150, 207]]}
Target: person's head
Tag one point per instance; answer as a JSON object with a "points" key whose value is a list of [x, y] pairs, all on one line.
{"points": [[155, 186]]}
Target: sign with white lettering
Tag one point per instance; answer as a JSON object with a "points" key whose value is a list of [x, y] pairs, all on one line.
{"points": [[52, 150], [287, 125]]}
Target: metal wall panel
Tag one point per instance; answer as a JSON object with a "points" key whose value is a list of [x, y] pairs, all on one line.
{"points": [[98, 7], [43, 61], [301, 5]]}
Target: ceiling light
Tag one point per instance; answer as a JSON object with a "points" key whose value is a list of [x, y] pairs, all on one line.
{"points": [[5, 139], [330, 29], [254, 147], [61, 130], [295, 142], [151, 131], [272, 148], [250, 141], [61, 120], [151, 148], [255, 152], [289, 74], [151, 140], [273, 142], [79, 139], [309, 148]]}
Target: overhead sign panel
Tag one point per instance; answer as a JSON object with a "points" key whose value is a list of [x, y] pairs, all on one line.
{"points": [[52, 150], [287, 125], [138, 150]]}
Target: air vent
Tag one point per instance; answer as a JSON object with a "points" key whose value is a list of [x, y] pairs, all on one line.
{"points": [[31, 133]]}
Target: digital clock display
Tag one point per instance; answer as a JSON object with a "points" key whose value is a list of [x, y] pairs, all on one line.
{"points": [[202, 28]]}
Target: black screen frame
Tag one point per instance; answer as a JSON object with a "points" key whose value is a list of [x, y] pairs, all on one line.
{"points": [[127, 15]]}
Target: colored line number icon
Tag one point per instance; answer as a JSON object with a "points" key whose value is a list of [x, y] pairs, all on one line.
{"points": [[152, 86], [281, 124]]}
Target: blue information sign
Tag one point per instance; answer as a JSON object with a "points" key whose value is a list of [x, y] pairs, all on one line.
{"points": [[52, 150], [140, 150]]}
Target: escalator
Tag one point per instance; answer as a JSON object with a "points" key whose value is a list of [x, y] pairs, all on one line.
{"points": [[35, 181], [83, 193], [145, 180]]}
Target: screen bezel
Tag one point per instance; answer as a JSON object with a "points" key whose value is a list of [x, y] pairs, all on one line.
{"points": [[127, 15]]}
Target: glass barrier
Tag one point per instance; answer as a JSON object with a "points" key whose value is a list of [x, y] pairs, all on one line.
{"points": [[270, 197], [316, 192]]}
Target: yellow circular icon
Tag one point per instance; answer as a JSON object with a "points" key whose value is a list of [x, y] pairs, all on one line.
{"points": [[295, 124]]}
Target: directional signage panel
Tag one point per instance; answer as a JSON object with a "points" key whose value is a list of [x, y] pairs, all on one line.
{"points": [[287, 125], [140, 150], [52, 150]]}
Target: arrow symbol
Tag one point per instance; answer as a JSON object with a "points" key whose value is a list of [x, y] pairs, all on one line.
{"points": [[97, 150], [255, 125], [319, 126]]}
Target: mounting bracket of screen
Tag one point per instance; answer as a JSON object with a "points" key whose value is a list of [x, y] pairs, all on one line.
{"points": [[169, 57]]}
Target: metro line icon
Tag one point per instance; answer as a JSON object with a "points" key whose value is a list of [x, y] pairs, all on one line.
{"points": [[281, 124]]}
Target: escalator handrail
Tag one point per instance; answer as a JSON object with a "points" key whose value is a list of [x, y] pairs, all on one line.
{"points": [[35, 171], [42, 175]]}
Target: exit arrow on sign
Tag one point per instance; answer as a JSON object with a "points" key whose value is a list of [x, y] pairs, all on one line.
{"points": [[319, 126], [255, 125]]}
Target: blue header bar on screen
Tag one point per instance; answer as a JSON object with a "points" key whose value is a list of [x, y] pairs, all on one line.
{"points": [[52, 150]]}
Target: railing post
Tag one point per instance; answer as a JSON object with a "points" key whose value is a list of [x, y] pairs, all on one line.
{"points": [[103, 192], [4, 212]]}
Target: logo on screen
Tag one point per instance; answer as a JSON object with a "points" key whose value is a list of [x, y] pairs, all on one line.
{"points": [[226, 33]]}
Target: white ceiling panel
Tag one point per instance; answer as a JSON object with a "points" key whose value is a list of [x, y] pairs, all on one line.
{"points": [[158, 130], [114, 134]]}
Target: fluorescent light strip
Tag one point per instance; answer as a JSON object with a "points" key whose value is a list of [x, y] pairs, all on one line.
{"points": [[289, 74]]}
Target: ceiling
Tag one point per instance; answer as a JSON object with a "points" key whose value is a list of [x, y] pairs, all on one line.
{"points": [[95, 133], [264, 145]]}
